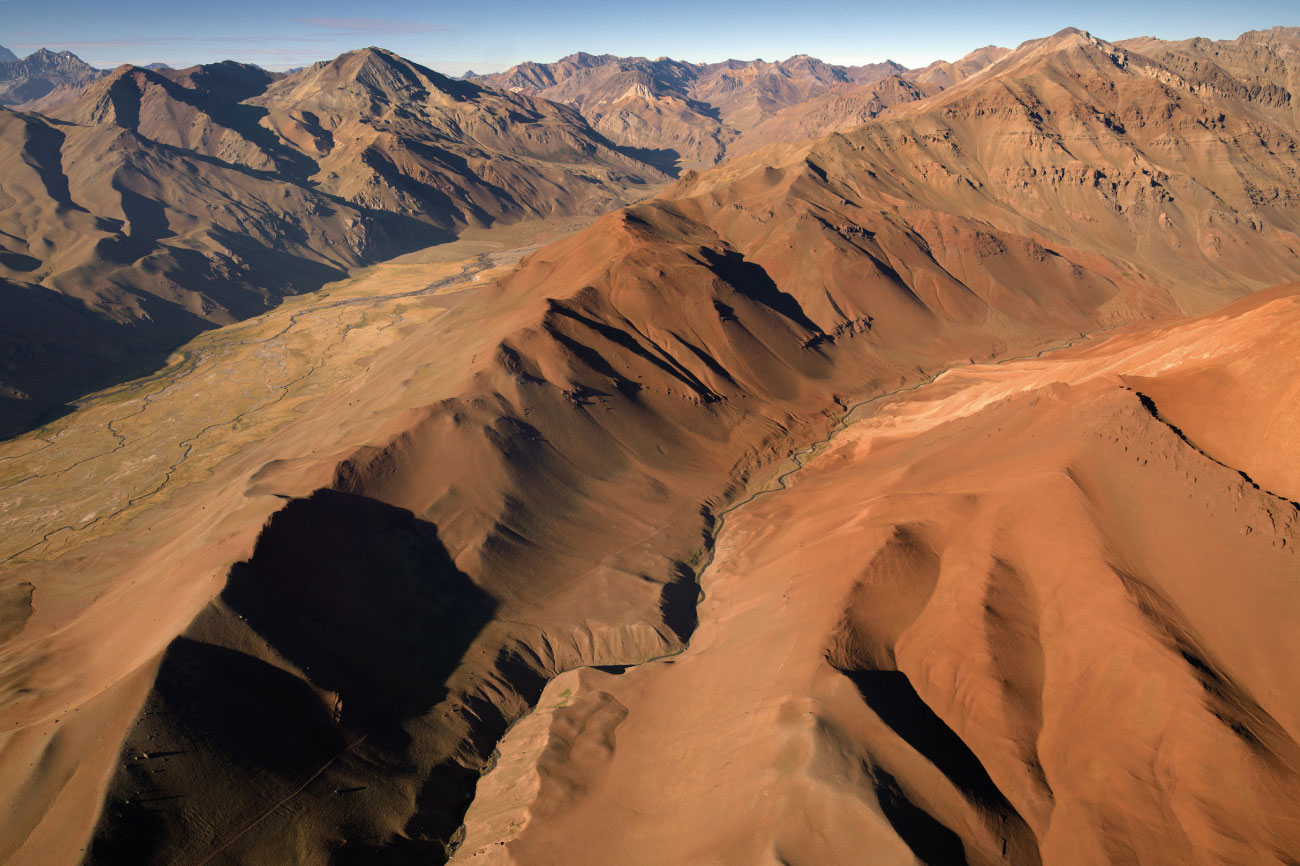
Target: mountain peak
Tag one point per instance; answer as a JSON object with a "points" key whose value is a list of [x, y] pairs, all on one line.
{"points": [[7, 56], [46, 55], [39, 73], [583, 60], [366, 82], [229, 78], [1070, 40], [113, 99], [1069, 37], [43, 59], [369, 54], [376, 68]]}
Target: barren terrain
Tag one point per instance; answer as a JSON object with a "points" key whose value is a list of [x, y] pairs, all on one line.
{"points": [[922, 490]]}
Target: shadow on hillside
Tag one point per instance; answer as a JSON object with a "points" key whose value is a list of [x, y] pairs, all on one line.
{"points": [[665, 159], [892, 697], [327, 644], [750, 280], [364, 599], [54, 349]]}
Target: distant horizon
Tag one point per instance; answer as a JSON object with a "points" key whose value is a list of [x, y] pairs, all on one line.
{"points": [[452, 39], [22, 54]]}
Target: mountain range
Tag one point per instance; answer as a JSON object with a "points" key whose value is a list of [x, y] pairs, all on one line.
{"points": [[40, 73], [689, 114], [146, 205], [160, 203], [911, 477]]}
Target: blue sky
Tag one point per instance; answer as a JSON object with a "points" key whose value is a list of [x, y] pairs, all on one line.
{"points": [[489, 36]]}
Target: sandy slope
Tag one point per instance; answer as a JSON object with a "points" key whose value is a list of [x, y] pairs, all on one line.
{"points": [[1012, 616]]}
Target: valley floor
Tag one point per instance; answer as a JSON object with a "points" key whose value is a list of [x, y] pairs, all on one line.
{"points": [[84, 475]]}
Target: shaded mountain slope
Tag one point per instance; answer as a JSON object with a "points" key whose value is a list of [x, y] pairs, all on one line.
{"points": [[155, 242], [390, 134], [40, 73], [168, 202]]}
